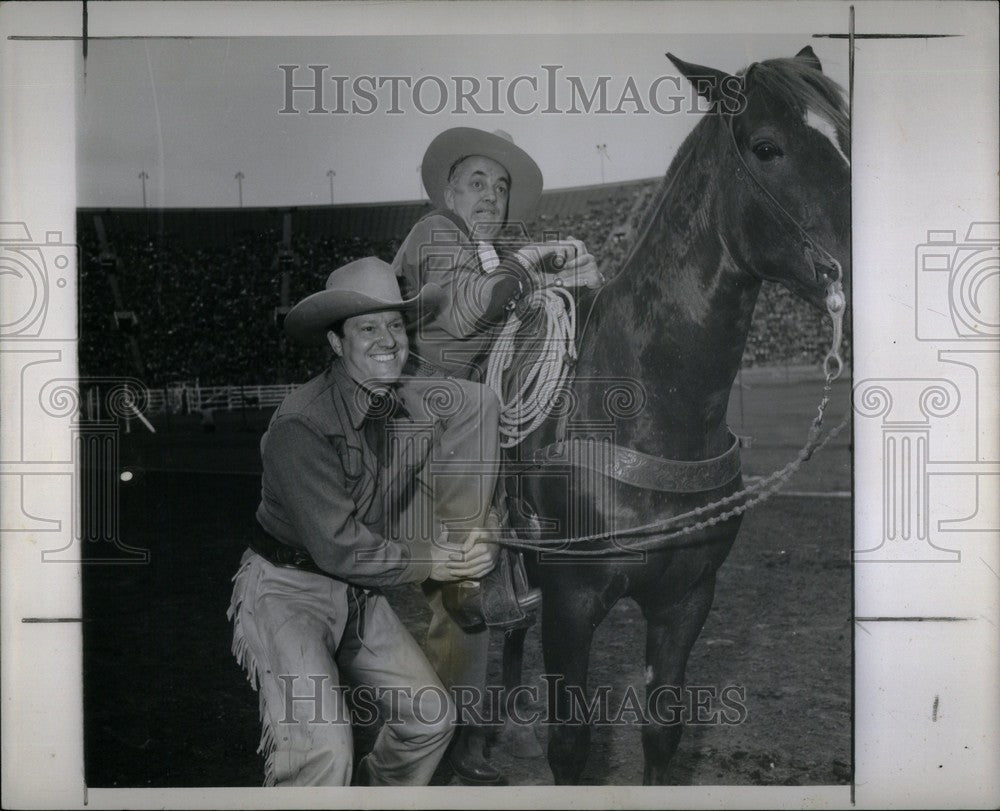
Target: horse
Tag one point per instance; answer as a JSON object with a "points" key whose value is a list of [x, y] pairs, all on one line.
{"points": [[758, 191]]}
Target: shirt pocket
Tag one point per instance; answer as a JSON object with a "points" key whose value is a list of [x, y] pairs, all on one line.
{"points": [[352, 459]]}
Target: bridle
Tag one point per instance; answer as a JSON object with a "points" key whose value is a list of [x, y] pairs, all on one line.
{"points": [[735, 504], [813, 253]]}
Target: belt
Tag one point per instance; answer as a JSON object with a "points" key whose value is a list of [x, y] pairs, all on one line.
{"points": [[281, 554]]}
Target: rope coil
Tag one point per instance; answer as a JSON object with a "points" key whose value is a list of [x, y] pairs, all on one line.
{"points": [[535, 390]]}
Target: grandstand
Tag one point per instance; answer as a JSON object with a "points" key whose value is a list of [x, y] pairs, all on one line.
{"points": [[194, 299]]}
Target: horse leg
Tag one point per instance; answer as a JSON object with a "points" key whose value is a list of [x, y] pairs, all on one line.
{"points": [[671, 632], [569, 620], [519, 738]]}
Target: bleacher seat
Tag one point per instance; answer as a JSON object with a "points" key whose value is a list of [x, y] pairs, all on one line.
{"points": [[204, 285]]}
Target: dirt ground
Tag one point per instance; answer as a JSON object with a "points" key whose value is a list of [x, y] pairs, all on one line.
{"points": [[166, 705]]}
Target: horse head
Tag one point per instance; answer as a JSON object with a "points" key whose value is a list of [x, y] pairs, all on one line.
{"points": [[785, 213]]}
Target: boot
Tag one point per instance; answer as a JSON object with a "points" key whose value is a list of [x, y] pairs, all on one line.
{"points": [[467, 758], [463, 600], [362, 775], [500, 599]]}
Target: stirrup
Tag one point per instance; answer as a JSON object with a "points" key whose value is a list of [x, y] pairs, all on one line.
{"points": [[501, 599]]}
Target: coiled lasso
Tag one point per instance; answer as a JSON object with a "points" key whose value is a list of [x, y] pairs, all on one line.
{"points": [[539, 381]]}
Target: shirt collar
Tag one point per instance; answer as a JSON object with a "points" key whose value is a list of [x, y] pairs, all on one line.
{"points": [[503, 243], [451, 215], [355, 396]]}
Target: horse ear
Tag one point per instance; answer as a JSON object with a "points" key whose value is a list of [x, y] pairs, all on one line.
{"points": [[808, 55], [710, 83]]}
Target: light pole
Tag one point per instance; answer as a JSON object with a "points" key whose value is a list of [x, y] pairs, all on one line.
{"points": [[143, 177], [331, 174], [239, 186], [602, 152]]}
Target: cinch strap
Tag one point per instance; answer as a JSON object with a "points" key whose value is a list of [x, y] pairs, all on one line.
{"points": [[642, 470]]}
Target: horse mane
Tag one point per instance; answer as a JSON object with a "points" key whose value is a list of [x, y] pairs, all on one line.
{"points": [[800, 86], [696, 155]]}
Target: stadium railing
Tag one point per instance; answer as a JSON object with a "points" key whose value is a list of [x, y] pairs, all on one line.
{"points": [[190, 399]]}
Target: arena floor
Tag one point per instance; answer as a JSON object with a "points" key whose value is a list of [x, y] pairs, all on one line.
{"points": [[166, 705]]}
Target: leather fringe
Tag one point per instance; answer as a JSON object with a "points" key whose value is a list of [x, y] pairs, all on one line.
{"points": [[248, 662]]}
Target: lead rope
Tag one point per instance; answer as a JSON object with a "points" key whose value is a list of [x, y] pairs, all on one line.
{"points": [[534, 396], [754, 494]]}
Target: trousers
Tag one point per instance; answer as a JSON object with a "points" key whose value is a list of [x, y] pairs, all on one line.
{"points": [[468, 465], [444, 460], [459, 655], [302, 638]]}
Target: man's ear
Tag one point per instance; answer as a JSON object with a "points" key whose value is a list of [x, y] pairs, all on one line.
{"points": [[449, 197], [335, 344]]}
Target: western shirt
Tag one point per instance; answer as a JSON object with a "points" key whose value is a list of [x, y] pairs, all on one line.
{"points": [[439, 250], [323, 486]]}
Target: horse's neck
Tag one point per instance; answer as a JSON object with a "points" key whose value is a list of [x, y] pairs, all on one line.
{"points": [[676, 322]]}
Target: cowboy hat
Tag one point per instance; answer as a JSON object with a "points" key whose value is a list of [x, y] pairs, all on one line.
{"points": [[462, 142], [364, 286]]}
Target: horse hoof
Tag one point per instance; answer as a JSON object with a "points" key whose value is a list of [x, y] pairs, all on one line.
{"points": [[519, 740]]}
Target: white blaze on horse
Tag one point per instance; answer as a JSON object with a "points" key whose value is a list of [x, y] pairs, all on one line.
{"points": [[641, 484]]}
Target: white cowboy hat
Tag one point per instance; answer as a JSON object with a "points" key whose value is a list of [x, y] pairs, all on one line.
{"points": [[462, 142], [364, 286]]}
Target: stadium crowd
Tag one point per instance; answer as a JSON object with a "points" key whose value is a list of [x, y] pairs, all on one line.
{"points": [[214, 313]]}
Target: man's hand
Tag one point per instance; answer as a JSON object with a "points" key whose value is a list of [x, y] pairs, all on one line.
{"points": [[581, 272], [478, 555], [575, 266], [475, 558], [557, 251]]}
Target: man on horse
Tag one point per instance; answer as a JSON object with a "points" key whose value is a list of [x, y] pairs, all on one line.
{"points": [[307, 607], [474, 245]]}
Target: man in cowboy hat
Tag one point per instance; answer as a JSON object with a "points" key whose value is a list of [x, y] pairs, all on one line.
{"points": [[306, 605], [481, 185]]}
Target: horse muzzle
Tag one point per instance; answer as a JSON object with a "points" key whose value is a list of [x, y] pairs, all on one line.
{"points": [[824, 287]]}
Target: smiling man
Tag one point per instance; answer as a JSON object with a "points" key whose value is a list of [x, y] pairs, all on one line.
{"points": [[372, 347], [307, 608]]}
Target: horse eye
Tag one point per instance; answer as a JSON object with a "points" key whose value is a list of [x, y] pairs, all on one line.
{"points": [[766, 151]]}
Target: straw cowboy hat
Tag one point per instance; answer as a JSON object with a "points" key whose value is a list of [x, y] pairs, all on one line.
{"points": [[364, 286], [463, 142]]}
